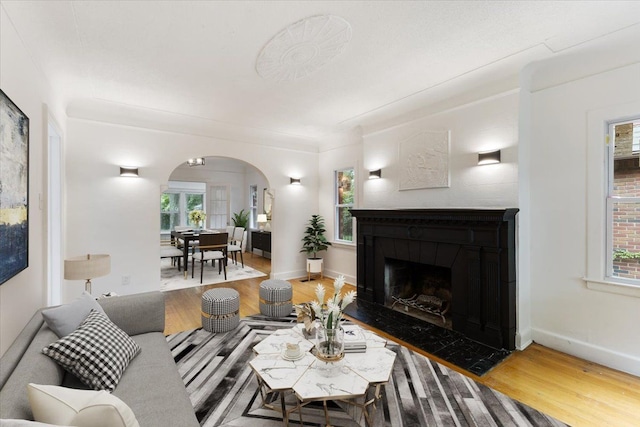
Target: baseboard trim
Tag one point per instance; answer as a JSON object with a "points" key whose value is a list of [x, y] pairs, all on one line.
{"points": [[593, 353], [523, 339]]}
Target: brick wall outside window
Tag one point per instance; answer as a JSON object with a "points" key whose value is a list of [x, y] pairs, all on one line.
{"points": [[626, 217]]}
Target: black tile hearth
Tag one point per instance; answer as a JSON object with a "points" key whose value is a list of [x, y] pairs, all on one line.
{"points": [[448, 345]]}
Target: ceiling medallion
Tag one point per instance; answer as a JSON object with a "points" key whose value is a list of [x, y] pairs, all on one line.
{"points": [[303, 47]]}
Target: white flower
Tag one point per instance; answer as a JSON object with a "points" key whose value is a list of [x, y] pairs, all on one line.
{"points": [[338, 284], [320, 293], [348, 299]]}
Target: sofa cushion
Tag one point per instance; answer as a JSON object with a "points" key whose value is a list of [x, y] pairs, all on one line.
{"points": [[153, 388], [66, 406], [33, 367], [97, 352], [66, 318]]}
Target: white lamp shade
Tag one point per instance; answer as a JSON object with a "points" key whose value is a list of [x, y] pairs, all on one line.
{"points": [[262, 217], [87, 267]]}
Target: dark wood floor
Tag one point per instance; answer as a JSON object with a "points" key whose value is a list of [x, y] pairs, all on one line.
{"points": [[573, 390]]}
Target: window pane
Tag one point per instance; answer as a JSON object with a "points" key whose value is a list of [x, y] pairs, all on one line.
{"points": [[345, 224], [194, 202], [345, 187], [345, 192], [626, 240], [170, 202]]}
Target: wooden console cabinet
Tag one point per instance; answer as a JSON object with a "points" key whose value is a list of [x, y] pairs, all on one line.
{"points": [[261, 240]]}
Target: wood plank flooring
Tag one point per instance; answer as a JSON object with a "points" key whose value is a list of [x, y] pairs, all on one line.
{"points": [[573, 390]]}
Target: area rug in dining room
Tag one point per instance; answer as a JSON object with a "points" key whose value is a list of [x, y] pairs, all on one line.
{"points": [[224, 391], [172, 279]]}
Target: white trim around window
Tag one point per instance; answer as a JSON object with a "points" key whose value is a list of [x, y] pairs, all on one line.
{"points": [[597, 182]]}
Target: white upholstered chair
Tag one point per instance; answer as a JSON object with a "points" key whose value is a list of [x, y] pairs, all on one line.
{"points": [[169, 249], [212, 247], [237, 244]]}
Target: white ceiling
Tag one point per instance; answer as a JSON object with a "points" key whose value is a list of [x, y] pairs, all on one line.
{"points": [[197, 59]]}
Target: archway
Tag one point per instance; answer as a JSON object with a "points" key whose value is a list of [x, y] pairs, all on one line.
{"points": [[231, 193]]}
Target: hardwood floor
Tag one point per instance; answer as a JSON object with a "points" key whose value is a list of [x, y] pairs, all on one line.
{"points": [[575, 391]]}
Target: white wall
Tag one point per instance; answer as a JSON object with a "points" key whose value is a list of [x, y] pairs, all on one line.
{"points": [[22, 82], [594, 325], [483, 125], [119, 216]]}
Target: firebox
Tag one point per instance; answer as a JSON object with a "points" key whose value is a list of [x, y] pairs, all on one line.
{"points": [[419, 290], [457, 266]]}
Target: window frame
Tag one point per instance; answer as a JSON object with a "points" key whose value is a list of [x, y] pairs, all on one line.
{"points": [[597, 180], [338, 206]]}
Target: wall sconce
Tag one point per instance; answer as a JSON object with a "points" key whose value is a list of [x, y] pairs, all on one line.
{"points": [[198, 161], [294, 181], [489, 157], [86, 268], [375, 174], [128, 171]]}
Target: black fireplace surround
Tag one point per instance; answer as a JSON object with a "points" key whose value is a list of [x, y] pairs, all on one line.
{"points": [[478, 245]]}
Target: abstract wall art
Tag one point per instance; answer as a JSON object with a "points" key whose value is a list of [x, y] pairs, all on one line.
{"points": [[14, 189], [424, 161]]}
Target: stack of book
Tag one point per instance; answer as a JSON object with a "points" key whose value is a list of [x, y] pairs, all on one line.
{"points": [[354, 339]]}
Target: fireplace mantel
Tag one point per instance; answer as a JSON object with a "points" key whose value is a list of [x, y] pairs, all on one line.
{"points": [[477, 244]]}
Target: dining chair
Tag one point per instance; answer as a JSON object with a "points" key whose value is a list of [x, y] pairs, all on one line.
{"points": [[192, 243], [235, 244], [169, 249], [212, 247]]}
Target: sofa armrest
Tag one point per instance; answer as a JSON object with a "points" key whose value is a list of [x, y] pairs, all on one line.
{"points": [[136, 314]]}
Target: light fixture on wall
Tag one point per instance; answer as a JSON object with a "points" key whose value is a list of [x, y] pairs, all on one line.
{"points": [[86, 268], [375, 174], [489, 157], [262, 219], [128, 171], [198, 161], [294, 181]]}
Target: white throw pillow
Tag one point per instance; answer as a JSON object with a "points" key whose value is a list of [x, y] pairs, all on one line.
{"points": [[68, 406], [66, 318], [24, 423]]}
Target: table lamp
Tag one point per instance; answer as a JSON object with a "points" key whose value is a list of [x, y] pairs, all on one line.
{"points": [[87, 267], [262, 218]]}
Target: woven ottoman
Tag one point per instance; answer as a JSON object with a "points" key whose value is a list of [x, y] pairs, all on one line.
{"points": [[220, 309], [275, 298]]}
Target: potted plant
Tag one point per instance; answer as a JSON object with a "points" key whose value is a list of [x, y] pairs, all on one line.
{"points": [[241, 219], [313, 242]]}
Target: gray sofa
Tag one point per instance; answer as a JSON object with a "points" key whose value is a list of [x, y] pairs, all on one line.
{"points": [[151, 385]]}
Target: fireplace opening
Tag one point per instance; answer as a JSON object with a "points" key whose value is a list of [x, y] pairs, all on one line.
{"points": [[419, 290]]}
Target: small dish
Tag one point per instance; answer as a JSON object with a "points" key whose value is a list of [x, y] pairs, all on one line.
{"points": [[292, 359]]}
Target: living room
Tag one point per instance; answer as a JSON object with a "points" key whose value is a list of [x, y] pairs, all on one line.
{"points": [[545, 117]]}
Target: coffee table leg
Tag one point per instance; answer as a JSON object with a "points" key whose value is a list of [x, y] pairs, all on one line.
{"points": [[285, 415]]}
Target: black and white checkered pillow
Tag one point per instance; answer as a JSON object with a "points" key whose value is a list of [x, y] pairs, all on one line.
{"points": [[97, 352]]}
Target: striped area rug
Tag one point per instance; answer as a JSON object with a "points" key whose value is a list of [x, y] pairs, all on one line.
{"points": [[421, 392]]}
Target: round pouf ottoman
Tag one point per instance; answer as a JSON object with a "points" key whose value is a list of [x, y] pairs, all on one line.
{"points": [[275, 298], [220, 309]]}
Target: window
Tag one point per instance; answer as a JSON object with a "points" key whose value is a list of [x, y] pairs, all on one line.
{"points": [[176, 203], [169, 211], [219, 210], [253, 206], [345, 191], [623, 202]]}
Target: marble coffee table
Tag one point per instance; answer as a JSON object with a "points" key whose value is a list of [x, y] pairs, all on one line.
{"points": [[356, 380]]}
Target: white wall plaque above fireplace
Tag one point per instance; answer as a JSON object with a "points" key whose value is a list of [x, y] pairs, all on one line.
{"points": [[424, 161]]}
